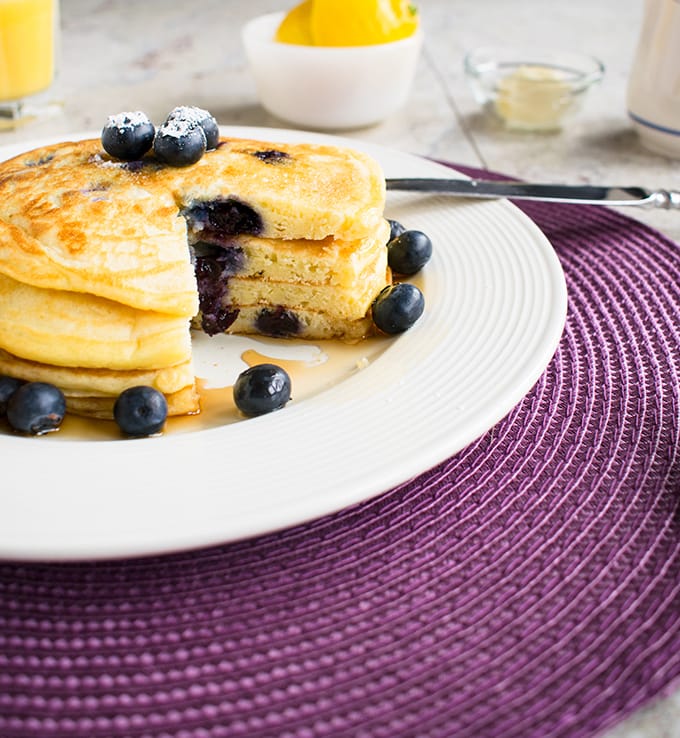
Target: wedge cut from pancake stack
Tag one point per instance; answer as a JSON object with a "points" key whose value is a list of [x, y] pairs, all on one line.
{"points": [[104, 264]]}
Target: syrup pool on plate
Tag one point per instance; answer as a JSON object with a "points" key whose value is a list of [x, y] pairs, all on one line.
{"points": [[218, 360]]}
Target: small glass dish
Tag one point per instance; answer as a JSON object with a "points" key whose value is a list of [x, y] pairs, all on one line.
{"points": [[536, 90]]}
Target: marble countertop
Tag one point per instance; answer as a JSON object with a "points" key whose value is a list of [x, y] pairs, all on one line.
{"points": [[119, 55]]}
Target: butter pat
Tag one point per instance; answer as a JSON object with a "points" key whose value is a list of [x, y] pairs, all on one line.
{"points": [[533, 98]]}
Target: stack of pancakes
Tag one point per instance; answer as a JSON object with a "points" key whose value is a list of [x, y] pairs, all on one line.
{"points": [[98, 260]]}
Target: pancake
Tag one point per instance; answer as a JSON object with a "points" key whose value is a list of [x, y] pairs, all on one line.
{"points": [[75, 219], [79, 330], [105, 264], [121, 241], [93, 391], [301, 288]]}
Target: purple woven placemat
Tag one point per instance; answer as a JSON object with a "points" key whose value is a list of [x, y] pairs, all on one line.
{"points": [[527, 587]]}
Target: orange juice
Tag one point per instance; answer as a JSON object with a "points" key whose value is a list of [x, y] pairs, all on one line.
{"points": [[27, 35]]}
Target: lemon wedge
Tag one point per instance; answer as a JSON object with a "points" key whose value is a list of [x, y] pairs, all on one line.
{"points": [[295, 27], [348, 22]]}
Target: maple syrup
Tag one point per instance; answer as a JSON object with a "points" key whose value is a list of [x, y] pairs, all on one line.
{"points": [[312, 366]]}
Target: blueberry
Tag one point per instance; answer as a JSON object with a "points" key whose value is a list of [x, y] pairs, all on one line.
{"points": [[36, 408], [278, 322], [271, 156], [215, 221], [398, 307], [409, 252], [262, 389], [212, 132], [396, 228], [8, 386], [200, 117], [128, 136], [179, 143], [140, 411], [212, 276]]}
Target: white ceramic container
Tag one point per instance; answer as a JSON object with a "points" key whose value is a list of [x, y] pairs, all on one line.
{"points": [[329, 88], [654, 82]]}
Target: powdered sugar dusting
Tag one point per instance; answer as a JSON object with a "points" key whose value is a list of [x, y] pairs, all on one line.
{"points": [[128, 120], [189, 113], [179, 128], [106, 163]]}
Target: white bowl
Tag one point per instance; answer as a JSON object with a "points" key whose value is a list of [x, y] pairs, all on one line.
{"points": [[328, 87]]}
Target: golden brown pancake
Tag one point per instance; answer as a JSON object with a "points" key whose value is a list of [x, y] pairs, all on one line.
{"points": [[99, 259]]}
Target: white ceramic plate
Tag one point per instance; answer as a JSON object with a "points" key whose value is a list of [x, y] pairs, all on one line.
{"points": [[495, 310]]}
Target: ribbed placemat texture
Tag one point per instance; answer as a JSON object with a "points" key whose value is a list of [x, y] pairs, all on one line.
{"points": [[527, 587]]}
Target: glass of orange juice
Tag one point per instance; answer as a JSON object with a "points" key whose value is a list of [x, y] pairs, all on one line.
{"points": [[29, 39]]}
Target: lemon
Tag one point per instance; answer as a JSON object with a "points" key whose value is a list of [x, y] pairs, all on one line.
{"points": [[295, 27], [361, 22], [348, 22]]}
